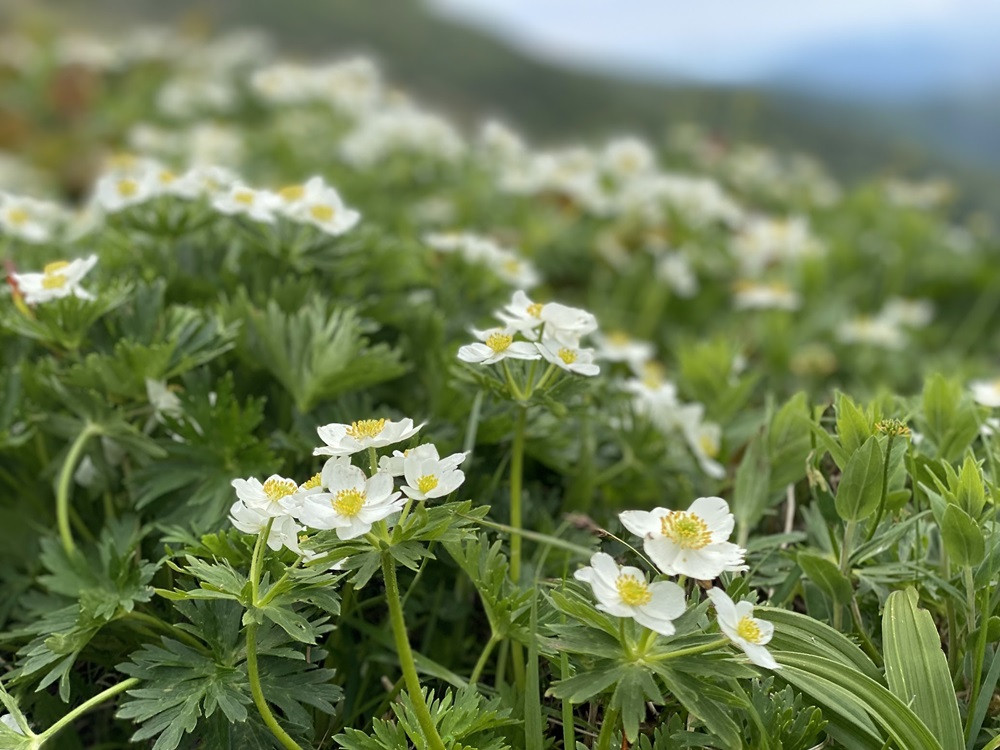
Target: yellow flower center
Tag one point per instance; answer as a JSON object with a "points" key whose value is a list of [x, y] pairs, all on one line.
{"points": [[275, 489], [348, 502], [427, 483], [54, 266], [122, 161], [633, 592], [127, 188], [18, 216], [321, 212], [245, 197], [292, 192], [708, 446], [535, 309], [366, 428], [499, 342], [618, 338], [512, 265], [568, 356], [748, 629], [166, 177], [312, 482], [653, 374], [685, 529], [51, 278]]}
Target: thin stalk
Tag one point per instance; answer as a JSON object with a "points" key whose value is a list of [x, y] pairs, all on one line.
{"points": [[885, 488], [98, 699], [257, 559], [484, 657], [845, 564], [690, 650], [624, 638], [568, 722], [373, 460], [405, 655], [607, 729], [516, 480], [258, 693], [977, 662], [63, 487], [545, 378]]}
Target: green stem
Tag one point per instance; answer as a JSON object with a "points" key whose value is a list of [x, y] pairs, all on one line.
{"points": [[86, 706], [516, 478], [607, 729], [373, 460], [258, 694], [568, 721], [511, 383], [690, 650], [257, 559], [885, 488], [845, 564], [545, 377], [483, 659], [970, 597], [648, 638], [405, 655], [624, 639], [978, 657], [63, 487]]}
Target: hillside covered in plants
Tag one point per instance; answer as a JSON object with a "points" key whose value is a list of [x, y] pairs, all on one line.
{"points": [[326, 422]]}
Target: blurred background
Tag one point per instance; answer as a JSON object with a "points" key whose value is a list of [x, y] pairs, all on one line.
{"points": [[894, 87]]}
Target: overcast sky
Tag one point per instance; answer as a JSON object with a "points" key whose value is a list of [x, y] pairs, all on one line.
{"points": [[725, 40]]}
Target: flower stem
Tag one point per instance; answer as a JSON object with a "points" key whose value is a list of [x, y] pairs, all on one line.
{"points": [[373, 460], [690, 650], [516, 480], [256, 561], [483, 658], [405, 655], [258, 693], [86, 706], [62, 489], [607, 729]]}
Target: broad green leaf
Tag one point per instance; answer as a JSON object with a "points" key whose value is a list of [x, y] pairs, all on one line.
{"points": [[853, 425], [801, 634], [861, 485], [916, 669], [825, 574], [963, 539]]}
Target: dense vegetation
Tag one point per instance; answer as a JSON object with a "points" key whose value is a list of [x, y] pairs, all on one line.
{"points": [[323, 423]]}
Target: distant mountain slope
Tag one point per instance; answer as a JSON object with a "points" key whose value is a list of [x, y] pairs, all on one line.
{"points": [[472, 74]]}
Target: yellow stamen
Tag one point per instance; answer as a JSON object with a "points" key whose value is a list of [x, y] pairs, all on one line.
{"points": [[618, 338], [312, 482], [633, 592], [245, 197], [685, 529], [275, 489], [54, 281], [18, 216], [535, 309], [292, 192], [166, 177], [427, 483], [653, 374], [708, 446], [499, 342], [321, 212], [127, 188], [366, 428], [348, 502], [53, 267], [748, 629], [568, 356]]}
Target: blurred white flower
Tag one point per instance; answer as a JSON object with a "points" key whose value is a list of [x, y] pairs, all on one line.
{"points": [[625, 158], [986, 392], [58, 279], [675, 270], [566, 357], [624, 592], [239, 199], [318, 204], [618, 346], [911, 313], [775, 295], [878, 331], [27, 218], [739, 625]]}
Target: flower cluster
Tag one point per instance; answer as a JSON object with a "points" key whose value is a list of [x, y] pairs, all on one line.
{"points": [[533, 330], [693, 543], [342, 497], [506, 263]]}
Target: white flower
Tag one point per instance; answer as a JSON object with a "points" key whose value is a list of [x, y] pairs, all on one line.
{"points": [[986, 392], [569, 358], [211, 180], [394, 466], [749, 295], [345, 440], [498, 344], [428, 476], [624, 592], [119, 190], [618, 346], [318, 204], [259, 205], [522, 315], [690, 542], [675, 270], [284, 531], [912, 313], [627, 157], [877, 331], [265, 498], [703, 437], [567, 324], [57, 280], [29, 219], [163, 400], [743, 629], [352, 503]]}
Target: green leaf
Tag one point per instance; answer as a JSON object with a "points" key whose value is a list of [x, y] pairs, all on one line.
{"points": [[853, 425], [801, 634], [916, 668], [963, 539], [788, 442], [825, 574], [752, 484], [844, 691], [861, 485], [970, 493]]}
